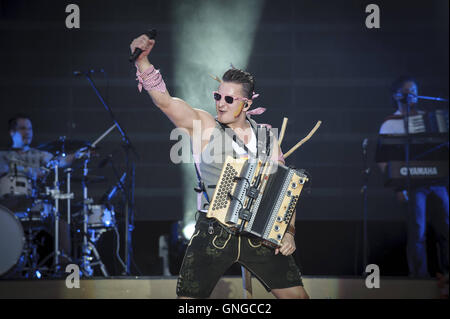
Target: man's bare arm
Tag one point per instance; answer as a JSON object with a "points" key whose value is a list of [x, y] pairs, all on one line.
{"points": [[178, 111]]}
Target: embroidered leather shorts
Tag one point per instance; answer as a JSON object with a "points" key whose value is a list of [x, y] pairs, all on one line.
{"points": [[212, 250]]}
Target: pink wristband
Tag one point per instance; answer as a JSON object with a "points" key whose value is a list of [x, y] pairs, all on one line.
{"points": [[150, 79]]}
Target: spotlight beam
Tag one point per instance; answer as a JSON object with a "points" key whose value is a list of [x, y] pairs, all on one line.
{"points": [[209, 36]]}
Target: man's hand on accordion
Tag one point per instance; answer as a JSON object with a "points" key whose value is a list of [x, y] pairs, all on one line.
{"points": [[287, 245]]}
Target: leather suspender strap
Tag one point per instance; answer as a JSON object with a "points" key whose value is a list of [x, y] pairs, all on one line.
{"points": [[237, 139], [201, 184], [241, 144]]}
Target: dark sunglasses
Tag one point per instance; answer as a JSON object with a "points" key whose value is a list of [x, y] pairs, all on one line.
{"points": [[228, 98]]}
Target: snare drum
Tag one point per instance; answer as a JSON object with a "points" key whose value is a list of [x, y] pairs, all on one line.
{"points": [[101, 216], [12, 240]]}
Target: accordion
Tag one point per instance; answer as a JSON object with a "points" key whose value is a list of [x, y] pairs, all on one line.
{"points": [[257, 198], [429, 122]]}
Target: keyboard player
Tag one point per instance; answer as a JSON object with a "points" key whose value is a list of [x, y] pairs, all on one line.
{"points": [[404, 95]]}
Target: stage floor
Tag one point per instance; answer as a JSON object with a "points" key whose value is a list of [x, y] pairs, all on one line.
{"points": [[229, 287]]}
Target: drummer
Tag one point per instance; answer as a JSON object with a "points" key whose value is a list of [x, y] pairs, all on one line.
{"points": [[35, 164], [23, 159]]}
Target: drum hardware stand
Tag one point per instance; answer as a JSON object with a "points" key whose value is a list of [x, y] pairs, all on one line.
{"points": [[96, 233], [56, 194], [91, 248], [88, 246], [30, 257], [86, 202], [68, 171]]}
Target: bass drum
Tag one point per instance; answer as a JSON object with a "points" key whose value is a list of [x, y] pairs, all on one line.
{"points": [[12, 240]]}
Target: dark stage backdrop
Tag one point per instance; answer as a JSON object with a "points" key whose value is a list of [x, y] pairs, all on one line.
{"points": [[313, 60]]}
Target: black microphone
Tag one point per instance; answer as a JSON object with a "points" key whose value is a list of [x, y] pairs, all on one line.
{"points": [[151, 35], [77, 73]]}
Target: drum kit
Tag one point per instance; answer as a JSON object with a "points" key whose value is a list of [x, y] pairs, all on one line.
{"points": [[41, 229]]}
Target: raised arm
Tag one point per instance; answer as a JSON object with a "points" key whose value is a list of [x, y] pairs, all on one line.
{"points": [[178, 111]]}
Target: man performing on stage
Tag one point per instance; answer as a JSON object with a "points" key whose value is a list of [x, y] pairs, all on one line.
{"points": [[404, 94], [212, 249], [30, 166], [31, 161]]}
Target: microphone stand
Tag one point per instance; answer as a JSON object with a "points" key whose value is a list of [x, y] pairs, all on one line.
{"points": [[366, 173], [129, 204], [432, 98], [407, 156]]}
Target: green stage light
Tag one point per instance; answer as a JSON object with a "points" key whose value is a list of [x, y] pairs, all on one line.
{"points": [[208, 37]]}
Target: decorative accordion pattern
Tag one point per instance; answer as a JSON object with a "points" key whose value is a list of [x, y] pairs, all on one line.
{"points": [[225, 188], [270, 204]]}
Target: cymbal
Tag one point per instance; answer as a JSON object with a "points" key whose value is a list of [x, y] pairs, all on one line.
{"points": [[62, 145]]}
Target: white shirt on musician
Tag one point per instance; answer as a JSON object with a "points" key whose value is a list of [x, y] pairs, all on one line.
{"points": [[240, 151], [251, 146]]}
